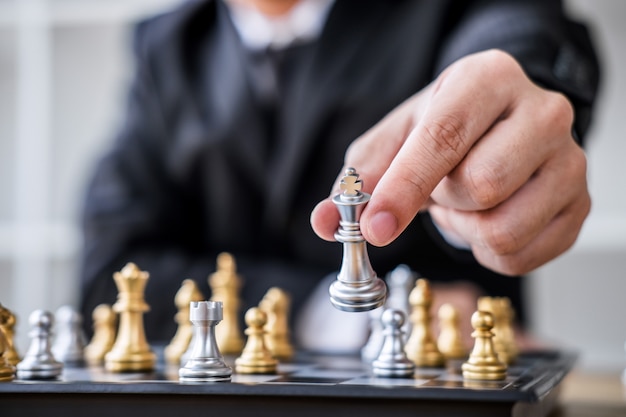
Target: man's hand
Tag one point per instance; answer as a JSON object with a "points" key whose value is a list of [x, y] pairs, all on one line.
{"points": [[488, 153]]}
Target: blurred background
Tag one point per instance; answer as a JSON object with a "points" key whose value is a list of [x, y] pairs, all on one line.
{"points": [[64, 69]]}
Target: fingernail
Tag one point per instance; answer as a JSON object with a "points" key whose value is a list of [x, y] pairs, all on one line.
{"points": [[382, 228]]}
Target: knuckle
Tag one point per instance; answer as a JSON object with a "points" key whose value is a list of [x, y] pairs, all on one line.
{"points": [[500, 238], [578, 164], [513, 265], [497, 66], [485, 186], [500, 62], [558, 111], [411, 175], [448, 136]]}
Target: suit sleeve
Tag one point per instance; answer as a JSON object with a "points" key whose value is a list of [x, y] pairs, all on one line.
{"points": [[556, 52]]}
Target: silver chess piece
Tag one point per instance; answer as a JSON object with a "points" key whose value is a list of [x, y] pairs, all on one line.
{"points": [[39, 362], [69, 344], [357, 287], [392, 361], [205, 363]]}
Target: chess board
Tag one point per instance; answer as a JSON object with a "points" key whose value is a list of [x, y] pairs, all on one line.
{"points": [[309, 386]]}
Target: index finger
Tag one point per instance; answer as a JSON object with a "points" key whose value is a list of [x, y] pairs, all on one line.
{"points": [[466, 100]]}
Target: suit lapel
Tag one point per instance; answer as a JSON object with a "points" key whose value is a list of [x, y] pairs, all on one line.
{"points": [[314, 95], [232, 114]]}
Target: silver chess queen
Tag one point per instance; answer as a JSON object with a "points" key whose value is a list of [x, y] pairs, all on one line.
{"points": [[357, 287]]}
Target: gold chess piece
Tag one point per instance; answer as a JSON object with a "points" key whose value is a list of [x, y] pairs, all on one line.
{"points": [[504, 336], [187, 293], [255, 358], [450, 342], [275, 304], [421, 347], [104, 321], [483, 363], [225, 285], [8, 328], [7, 370], [130, 351]]}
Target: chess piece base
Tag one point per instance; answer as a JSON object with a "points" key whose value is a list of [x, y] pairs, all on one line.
{"points": [[205, 370], [39, 371], [130, 362], [483, 372], [429, 359], [255, 369], [201, 379], [354, 298], [396, 370], [7, 373]]}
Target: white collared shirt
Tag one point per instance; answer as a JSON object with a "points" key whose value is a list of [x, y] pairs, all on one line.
{"points": [[304, 22]]}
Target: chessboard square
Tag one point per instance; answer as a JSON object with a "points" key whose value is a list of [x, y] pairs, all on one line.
{"points": [[307, 380], [426, 373], [458, 382], [288, 368], [337, 374], [252, 378], [386, 382]]}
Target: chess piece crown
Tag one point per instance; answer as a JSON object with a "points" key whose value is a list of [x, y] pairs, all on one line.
{"points": [[131, 283]]}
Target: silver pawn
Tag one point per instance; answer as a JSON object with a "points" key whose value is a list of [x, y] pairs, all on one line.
{"points": [[392, 361], [39, 362], [69, 345], [357, 287], [205, 363]]}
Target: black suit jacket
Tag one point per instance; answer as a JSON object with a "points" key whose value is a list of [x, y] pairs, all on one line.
{"points": [[203, 164]]}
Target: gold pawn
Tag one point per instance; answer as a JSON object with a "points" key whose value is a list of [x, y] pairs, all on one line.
{"points": [[9, 331], [255, 358], [421, 347], [483, 363], [104, 320], [275, 304], [225, 284], [7, 371], [450, 342], [187, 293], [131, 351]]}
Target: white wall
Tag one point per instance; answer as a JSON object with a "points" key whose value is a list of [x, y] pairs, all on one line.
{"points": [[580, 299], [64, 68], [577, 300]]}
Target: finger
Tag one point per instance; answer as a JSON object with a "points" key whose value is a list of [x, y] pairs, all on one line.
{"points": [[556, 238], [325, 220], [458, 114], [394, 128], [514, 225], [509, 153]]}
